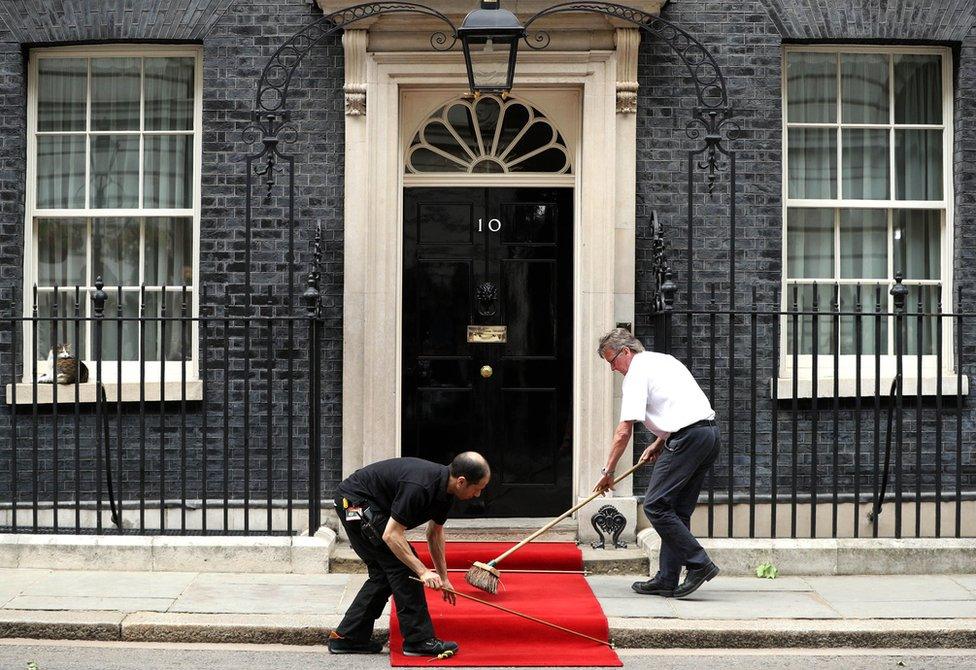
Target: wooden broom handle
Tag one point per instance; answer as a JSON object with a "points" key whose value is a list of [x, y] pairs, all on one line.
{"points": [[564, 515], [521, 614]]}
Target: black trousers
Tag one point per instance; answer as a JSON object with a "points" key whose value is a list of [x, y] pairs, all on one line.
{"points": [[672, 495], [387, 575]]}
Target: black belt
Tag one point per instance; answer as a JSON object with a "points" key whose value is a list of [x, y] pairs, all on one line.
{"points": [[682, 431]]}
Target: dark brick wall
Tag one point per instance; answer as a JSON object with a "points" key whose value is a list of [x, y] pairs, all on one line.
{"points": [[237, 38], [746, 38]]}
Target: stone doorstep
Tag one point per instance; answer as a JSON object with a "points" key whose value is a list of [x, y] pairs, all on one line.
{"points": [[626, 633], [631, 561]]}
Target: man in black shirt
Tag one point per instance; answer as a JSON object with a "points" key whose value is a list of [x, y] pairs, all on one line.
{"points": [[376, 505]]}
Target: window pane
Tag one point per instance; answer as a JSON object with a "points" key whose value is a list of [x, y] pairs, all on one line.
{"points": [[169, 252], [812, 163], [112, 328], [810, 240], [60, 171], [64, 332], [166, 337], [926, 298], [918, 89], [865, 166], [115, 171], [61, 252], [115, 93], [115, 251], [805, 322], [917, 243], [811, 80], [864, 79], [169, 93], [168, 171], [871, 325], [863, 243], [918, 164], [61, 93]]}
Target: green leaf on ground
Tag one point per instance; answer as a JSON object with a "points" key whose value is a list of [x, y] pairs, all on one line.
{"points": [[767, 570], [31, 665]]}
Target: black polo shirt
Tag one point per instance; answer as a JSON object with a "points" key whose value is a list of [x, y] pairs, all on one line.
{"points": [[411, 490]]}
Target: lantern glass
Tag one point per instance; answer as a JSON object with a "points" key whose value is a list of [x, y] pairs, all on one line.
{"points": [[491, 61]]}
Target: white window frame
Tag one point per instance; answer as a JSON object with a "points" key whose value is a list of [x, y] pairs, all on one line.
{"points": [[847, 362], [130, 369]]}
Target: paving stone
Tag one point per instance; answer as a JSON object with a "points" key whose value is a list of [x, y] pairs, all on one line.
{"points": [[89, 603], [638, 606], [13, 582], [709, 603], [912, 609], [260, 598], [118, 584], [888, 588]]}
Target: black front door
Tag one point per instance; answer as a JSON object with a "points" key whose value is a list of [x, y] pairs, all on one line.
{"points": [[491, 257]]}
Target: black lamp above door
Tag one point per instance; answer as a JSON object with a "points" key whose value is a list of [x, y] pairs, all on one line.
{"points": [[489, 37]]}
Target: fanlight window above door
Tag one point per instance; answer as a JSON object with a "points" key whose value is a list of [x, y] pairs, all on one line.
{"points": [[488, 135]]}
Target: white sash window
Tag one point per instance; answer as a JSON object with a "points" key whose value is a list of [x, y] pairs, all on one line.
{"points": [[867, 192], [113, 190]]}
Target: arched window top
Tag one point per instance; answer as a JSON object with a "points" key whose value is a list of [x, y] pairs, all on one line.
{"points": [[488, 135]]}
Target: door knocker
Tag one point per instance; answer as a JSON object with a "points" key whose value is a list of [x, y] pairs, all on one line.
{"points": [[486, 294]]}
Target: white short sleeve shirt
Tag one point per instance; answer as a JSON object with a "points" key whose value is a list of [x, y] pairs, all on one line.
{"points": [[659, 391]]}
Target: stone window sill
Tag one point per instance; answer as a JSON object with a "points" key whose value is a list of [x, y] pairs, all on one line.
{"points": [[87, 392], [847, 386]]}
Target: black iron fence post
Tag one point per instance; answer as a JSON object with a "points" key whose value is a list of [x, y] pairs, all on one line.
{"points": [[98, 297], [668, 289], [311, 300], [899, 292]]}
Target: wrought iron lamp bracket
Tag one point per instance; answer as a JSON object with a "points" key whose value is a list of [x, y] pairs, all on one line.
{"points": [[712, 117]]}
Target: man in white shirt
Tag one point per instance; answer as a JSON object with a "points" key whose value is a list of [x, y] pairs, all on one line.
{"points": [[659, 391]]}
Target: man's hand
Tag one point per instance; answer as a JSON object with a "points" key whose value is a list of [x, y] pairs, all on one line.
{"points": [[605, 484], [448, 595], [652, 452], [431, 579]]}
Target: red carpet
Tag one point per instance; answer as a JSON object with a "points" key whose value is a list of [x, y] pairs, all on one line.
{"points": [[491, 638]]}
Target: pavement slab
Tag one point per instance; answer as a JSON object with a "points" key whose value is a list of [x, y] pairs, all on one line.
{"points": [[718, 604], [13, 581], [69, 603], [889, 588], [913, 609], [118, 584], [260, 598]]}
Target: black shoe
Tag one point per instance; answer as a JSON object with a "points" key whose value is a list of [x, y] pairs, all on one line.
{"points": [[695, 578], [343, 645], [652, 587], [431, 647]]}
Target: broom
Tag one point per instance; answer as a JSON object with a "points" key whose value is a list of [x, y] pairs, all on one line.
{"points": [[486, 576], [523, 615]]}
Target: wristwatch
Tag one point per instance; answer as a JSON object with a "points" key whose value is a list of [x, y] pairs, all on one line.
{"points": [[605, 472]]}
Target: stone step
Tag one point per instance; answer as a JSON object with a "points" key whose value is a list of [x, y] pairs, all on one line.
{"points": [[628, 561]]}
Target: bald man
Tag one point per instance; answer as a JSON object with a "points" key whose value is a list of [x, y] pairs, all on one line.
{"points": [[376, 505]]}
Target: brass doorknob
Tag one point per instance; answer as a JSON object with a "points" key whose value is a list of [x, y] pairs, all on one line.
{"points": [[486, 371]]}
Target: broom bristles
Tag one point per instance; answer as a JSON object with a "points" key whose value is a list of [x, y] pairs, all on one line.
{"points": [[483, 576]]}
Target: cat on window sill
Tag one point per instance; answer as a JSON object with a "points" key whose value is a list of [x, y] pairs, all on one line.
{"points": [[66, 371]]}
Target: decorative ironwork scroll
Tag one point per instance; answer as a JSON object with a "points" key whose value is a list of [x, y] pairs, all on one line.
{"points": [[609, 520], [660, 264], [712, 117]]}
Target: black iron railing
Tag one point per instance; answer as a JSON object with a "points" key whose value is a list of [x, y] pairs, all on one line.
{"points": [[205, 423], [841, 417]]}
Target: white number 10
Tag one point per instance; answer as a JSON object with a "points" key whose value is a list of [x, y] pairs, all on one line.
{"points": [[494, 225]]}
